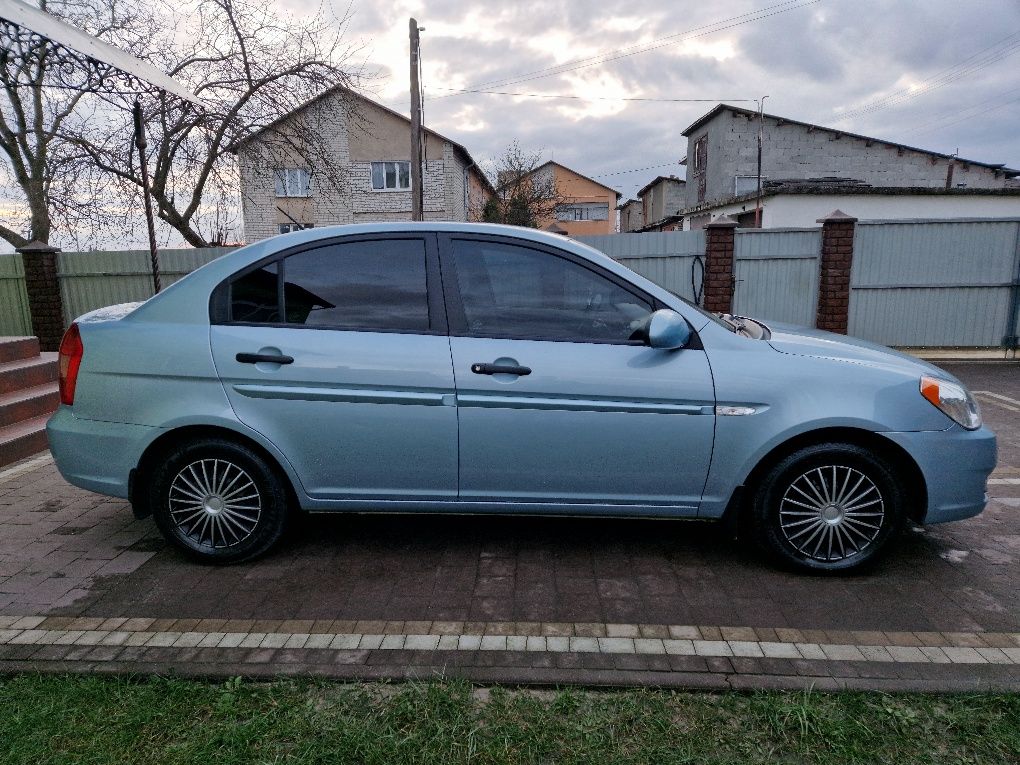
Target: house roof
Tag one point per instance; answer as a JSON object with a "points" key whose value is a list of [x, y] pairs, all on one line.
{"points": [[628, 202], [1009, 172], [659, 179], [582, 175], [352, 93]]}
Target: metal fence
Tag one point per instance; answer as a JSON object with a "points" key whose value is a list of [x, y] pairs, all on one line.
{"points": [[917, 283], [14, 316], [776, 270], [90, 280], [913, 283], [670, 259], [936, 283]]}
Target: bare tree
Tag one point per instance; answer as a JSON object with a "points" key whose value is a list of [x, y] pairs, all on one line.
{"points": [[526, 194], [253, 67], [45, 95]]}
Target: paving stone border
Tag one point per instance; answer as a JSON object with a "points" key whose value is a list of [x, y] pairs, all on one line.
{"points": [[539, 637], [688, 657]]}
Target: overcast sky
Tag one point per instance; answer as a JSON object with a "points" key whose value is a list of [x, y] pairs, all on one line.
{"points": [[945, 73]]}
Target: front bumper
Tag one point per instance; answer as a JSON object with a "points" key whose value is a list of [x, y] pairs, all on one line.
{"points": [[98, 456], [955, 464]]}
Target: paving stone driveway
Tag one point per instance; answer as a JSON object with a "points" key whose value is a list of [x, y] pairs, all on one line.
{"points": [[85, 586]]}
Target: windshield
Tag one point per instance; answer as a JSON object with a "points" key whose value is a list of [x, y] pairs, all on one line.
{"points": [[736, 324]]}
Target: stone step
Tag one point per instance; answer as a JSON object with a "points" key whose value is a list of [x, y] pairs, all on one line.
{"points": [[18, 348], [25, 404], [23, 439], [28, 373]]}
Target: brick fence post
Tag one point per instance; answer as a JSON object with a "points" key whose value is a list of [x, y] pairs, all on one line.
{"points": [[719, 241], [837, 258], [43, 290]]}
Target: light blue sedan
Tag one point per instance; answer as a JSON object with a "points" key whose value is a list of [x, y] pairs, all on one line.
{"points": [[462, 368]]}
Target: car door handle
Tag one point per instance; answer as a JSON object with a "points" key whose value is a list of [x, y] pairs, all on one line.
{"points": [[264, 358], [500, 369]]}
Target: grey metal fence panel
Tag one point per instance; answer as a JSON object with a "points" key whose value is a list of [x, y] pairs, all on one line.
{"points": [[933, 282], [90, 280], [14, 316], [776, 272], [666, 258]]}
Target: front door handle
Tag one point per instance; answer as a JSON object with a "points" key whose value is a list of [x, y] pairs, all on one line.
{"points": [[264, 358], [500, 369]]}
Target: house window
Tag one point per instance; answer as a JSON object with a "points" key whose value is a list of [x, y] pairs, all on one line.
{"points": [[391, 176], [286, 228], [292, 182], [746, 184], [584, 211]]}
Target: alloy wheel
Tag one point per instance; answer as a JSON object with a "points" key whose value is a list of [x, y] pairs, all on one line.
{"points": [[215, 503], [831, 513]]}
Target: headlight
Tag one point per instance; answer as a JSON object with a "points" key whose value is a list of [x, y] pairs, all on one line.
{"points": [[954, 400]]}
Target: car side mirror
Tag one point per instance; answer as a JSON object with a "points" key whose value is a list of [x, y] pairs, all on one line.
{"points": [[665, 329]]}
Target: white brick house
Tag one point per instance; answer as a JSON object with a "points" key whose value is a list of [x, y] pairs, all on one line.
{"points": [[355, 170]]}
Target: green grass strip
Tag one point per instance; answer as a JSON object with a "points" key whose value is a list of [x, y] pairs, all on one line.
{"points": [[83, 720]]}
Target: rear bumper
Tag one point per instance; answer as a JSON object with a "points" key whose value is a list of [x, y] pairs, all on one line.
{"points": [[98, 456], [955, 464]]}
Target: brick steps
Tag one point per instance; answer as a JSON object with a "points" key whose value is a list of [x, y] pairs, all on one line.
{"points": [[28, 373], [18, 348], [28, 403], [28, 396]]}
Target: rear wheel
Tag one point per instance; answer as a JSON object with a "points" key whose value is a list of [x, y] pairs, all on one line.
{"points": [[828, 508], [219, 501]]}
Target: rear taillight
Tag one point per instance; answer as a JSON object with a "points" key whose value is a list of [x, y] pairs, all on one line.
{"points": [[71, 351]]}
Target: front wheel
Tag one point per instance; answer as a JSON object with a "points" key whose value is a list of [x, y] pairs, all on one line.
{"points": [[218, 501], [828, 508]]}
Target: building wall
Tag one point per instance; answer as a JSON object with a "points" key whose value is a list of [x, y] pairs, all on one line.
{"points": [[665, 198], [631, 216], [576, 188], [795, 152], [368, 134], [800, 210]]}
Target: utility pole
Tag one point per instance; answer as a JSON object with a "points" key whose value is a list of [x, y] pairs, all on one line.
{"points": [[761, 131], [416, 185]]}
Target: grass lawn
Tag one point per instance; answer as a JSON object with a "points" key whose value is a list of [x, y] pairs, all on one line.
{"points": [[82, 720]]}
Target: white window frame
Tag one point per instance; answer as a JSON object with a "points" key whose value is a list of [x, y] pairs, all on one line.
{"points": [[582, 211], [287, 228], [293, 181], [751, 181], [396, 163]]}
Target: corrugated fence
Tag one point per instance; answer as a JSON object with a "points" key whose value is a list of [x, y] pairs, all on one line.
{"points": [[914, 283], [935, 283]]}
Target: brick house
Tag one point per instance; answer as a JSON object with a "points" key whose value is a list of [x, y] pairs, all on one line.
{"points": [[588, 207], [859, 174], [358, 169]]}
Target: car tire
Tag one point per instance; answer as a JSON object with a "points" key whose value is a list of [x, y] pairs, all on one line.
{"points": [[828, 508], [219, 501]]}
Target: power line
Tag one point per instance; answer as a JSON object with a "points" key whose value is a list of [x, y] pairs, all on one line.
{"points": [[660, 42], [594, 98], [945, 76], [940, 124], [635, 170]]}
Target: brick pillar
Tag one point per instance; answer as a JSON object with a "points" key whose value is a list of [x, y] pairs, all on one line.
{"points": [[834, 275], [43, 290], [718, 296]]}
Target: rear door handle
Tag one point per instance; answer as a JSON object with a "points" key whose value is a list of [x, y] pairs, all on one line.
{"points": [[264, 358], [500, 369]]}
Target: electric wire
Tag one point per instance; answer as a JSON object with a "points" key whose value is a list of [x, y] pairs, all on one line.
{"points": [[944, 77], [661, 42]]}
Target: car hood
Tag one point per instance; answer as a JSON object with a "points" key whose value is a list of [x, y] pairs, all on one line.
{"points": [[802, 341]]}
